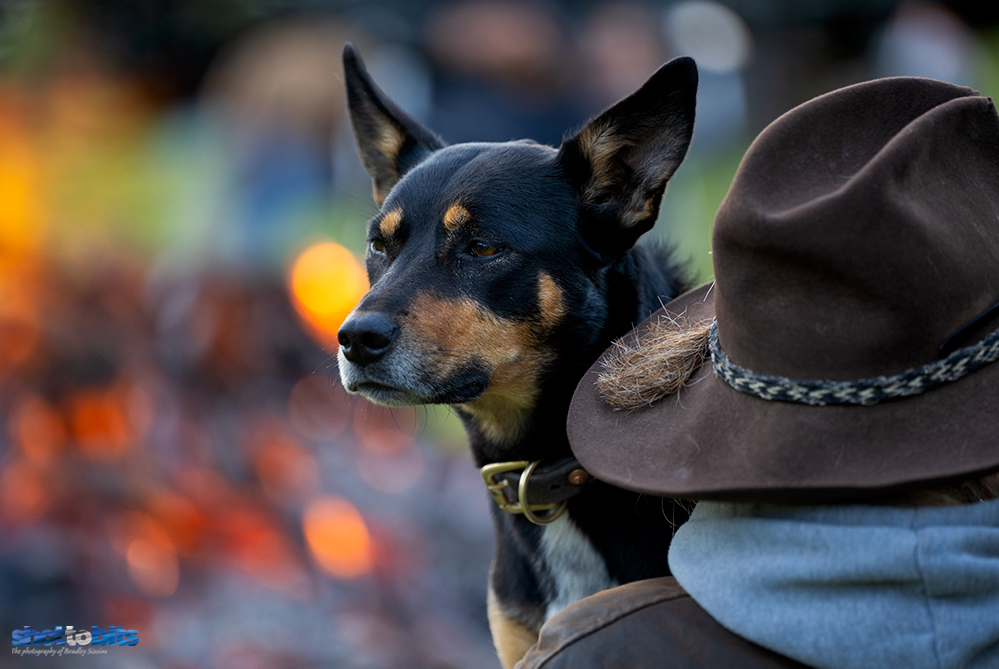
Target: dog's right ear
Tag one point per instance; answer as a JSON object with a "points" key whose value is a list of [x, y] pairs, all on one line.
{"points": [[391, 141], [621, 161]]}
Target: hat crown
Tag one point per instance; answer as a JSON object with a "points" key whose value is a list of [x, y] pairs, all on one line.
{"points": [[861, 230]]}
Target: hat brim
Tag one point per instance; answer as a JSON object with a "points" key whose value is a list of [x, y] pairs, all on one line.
{"points": [[710, 441]]}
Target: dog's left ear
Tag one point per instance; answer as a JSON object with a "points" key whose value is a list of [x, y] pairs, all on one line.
{"points": [[620, 162], [391, 141]]}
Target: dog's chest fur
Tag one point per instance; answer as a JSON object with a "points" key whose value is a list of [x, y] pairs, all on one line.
{"points": [[576, 570]]}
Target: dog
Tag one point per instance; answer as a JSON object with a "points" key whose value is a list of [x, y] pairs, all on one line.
{"points": [[499, 272]]}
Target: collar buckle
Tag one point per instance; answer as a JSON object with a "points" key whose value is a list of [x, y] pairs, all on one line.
{"points": [[539, 514]]}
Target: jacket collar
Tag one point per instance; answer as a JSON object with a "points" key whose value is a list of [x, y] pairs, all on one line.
{"points": [[849, 586]]}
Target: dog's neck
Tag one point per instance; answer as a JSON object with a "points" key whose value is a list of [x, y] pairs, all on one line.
{"points": [[502, 429], [498, 425]]}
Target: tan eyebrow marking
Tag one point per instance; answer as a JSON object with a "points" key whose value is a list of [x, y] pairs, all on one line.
{"points": [[390, 222], [455, 217]]}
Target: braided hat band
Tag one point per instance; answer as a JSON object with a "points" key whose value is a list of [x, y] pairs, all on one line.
{"points": [[862, 391]]}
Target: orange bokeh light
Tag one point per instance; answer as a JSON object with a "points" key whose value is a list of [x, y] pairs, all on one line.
{"points": [[22, 212], [23, 492], [338, 537], [21, 304], [150, 553], [286, 469], [153, 567], [181, 519], [99, 424], [37, 428], [325, 282], [19, 334], [107, 422], [257, 545]]}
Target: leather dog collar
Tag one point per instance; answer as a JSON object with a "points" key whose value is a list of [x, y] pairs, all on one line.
{"points": [[526, 487]]}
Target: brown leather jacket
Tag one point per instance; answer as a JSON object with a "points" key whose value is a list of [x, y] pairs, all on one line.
{"points": [[641, 625]]}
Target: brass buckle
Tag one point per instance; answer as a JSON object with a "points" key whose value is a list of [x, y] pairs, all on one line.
{"points": [[495, 488]]}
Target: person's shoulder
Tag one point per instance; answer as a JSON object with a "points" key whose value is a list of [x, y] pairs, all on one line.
{"points": [[651, 623]]}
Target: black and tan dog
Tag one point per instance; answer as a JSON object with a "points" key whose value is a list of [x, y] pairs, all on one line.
{"points": [[499, 273]]}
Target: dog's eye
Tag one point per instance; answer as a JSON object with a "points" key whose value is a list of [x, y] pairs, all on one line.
{"points": [[483, 250], [376, 246]]}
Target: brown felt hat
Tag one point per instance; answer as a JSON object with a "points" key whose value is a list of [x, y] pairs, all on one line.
{"points": [[859, 238]]}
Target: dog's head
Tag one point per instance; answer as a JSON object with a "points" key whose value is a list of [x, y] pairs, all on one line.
{"points": [[486, 260]]}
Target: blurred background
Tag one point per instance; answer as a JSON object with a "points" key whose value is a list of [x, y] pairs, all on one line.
{"points": [[182, 219]]}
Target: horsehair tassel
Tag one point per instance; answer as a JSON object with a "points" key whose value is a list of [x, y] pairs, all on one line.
{"points": [[639, 373]]}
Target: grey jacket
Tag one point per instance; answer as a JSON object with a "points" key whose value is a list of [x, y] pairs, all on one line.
{"points": [[850, 587], [764, 586]]}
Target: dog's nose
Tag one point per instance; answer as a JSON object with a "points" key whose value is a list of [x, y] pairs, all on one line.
{"points": [[366, 337]]}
